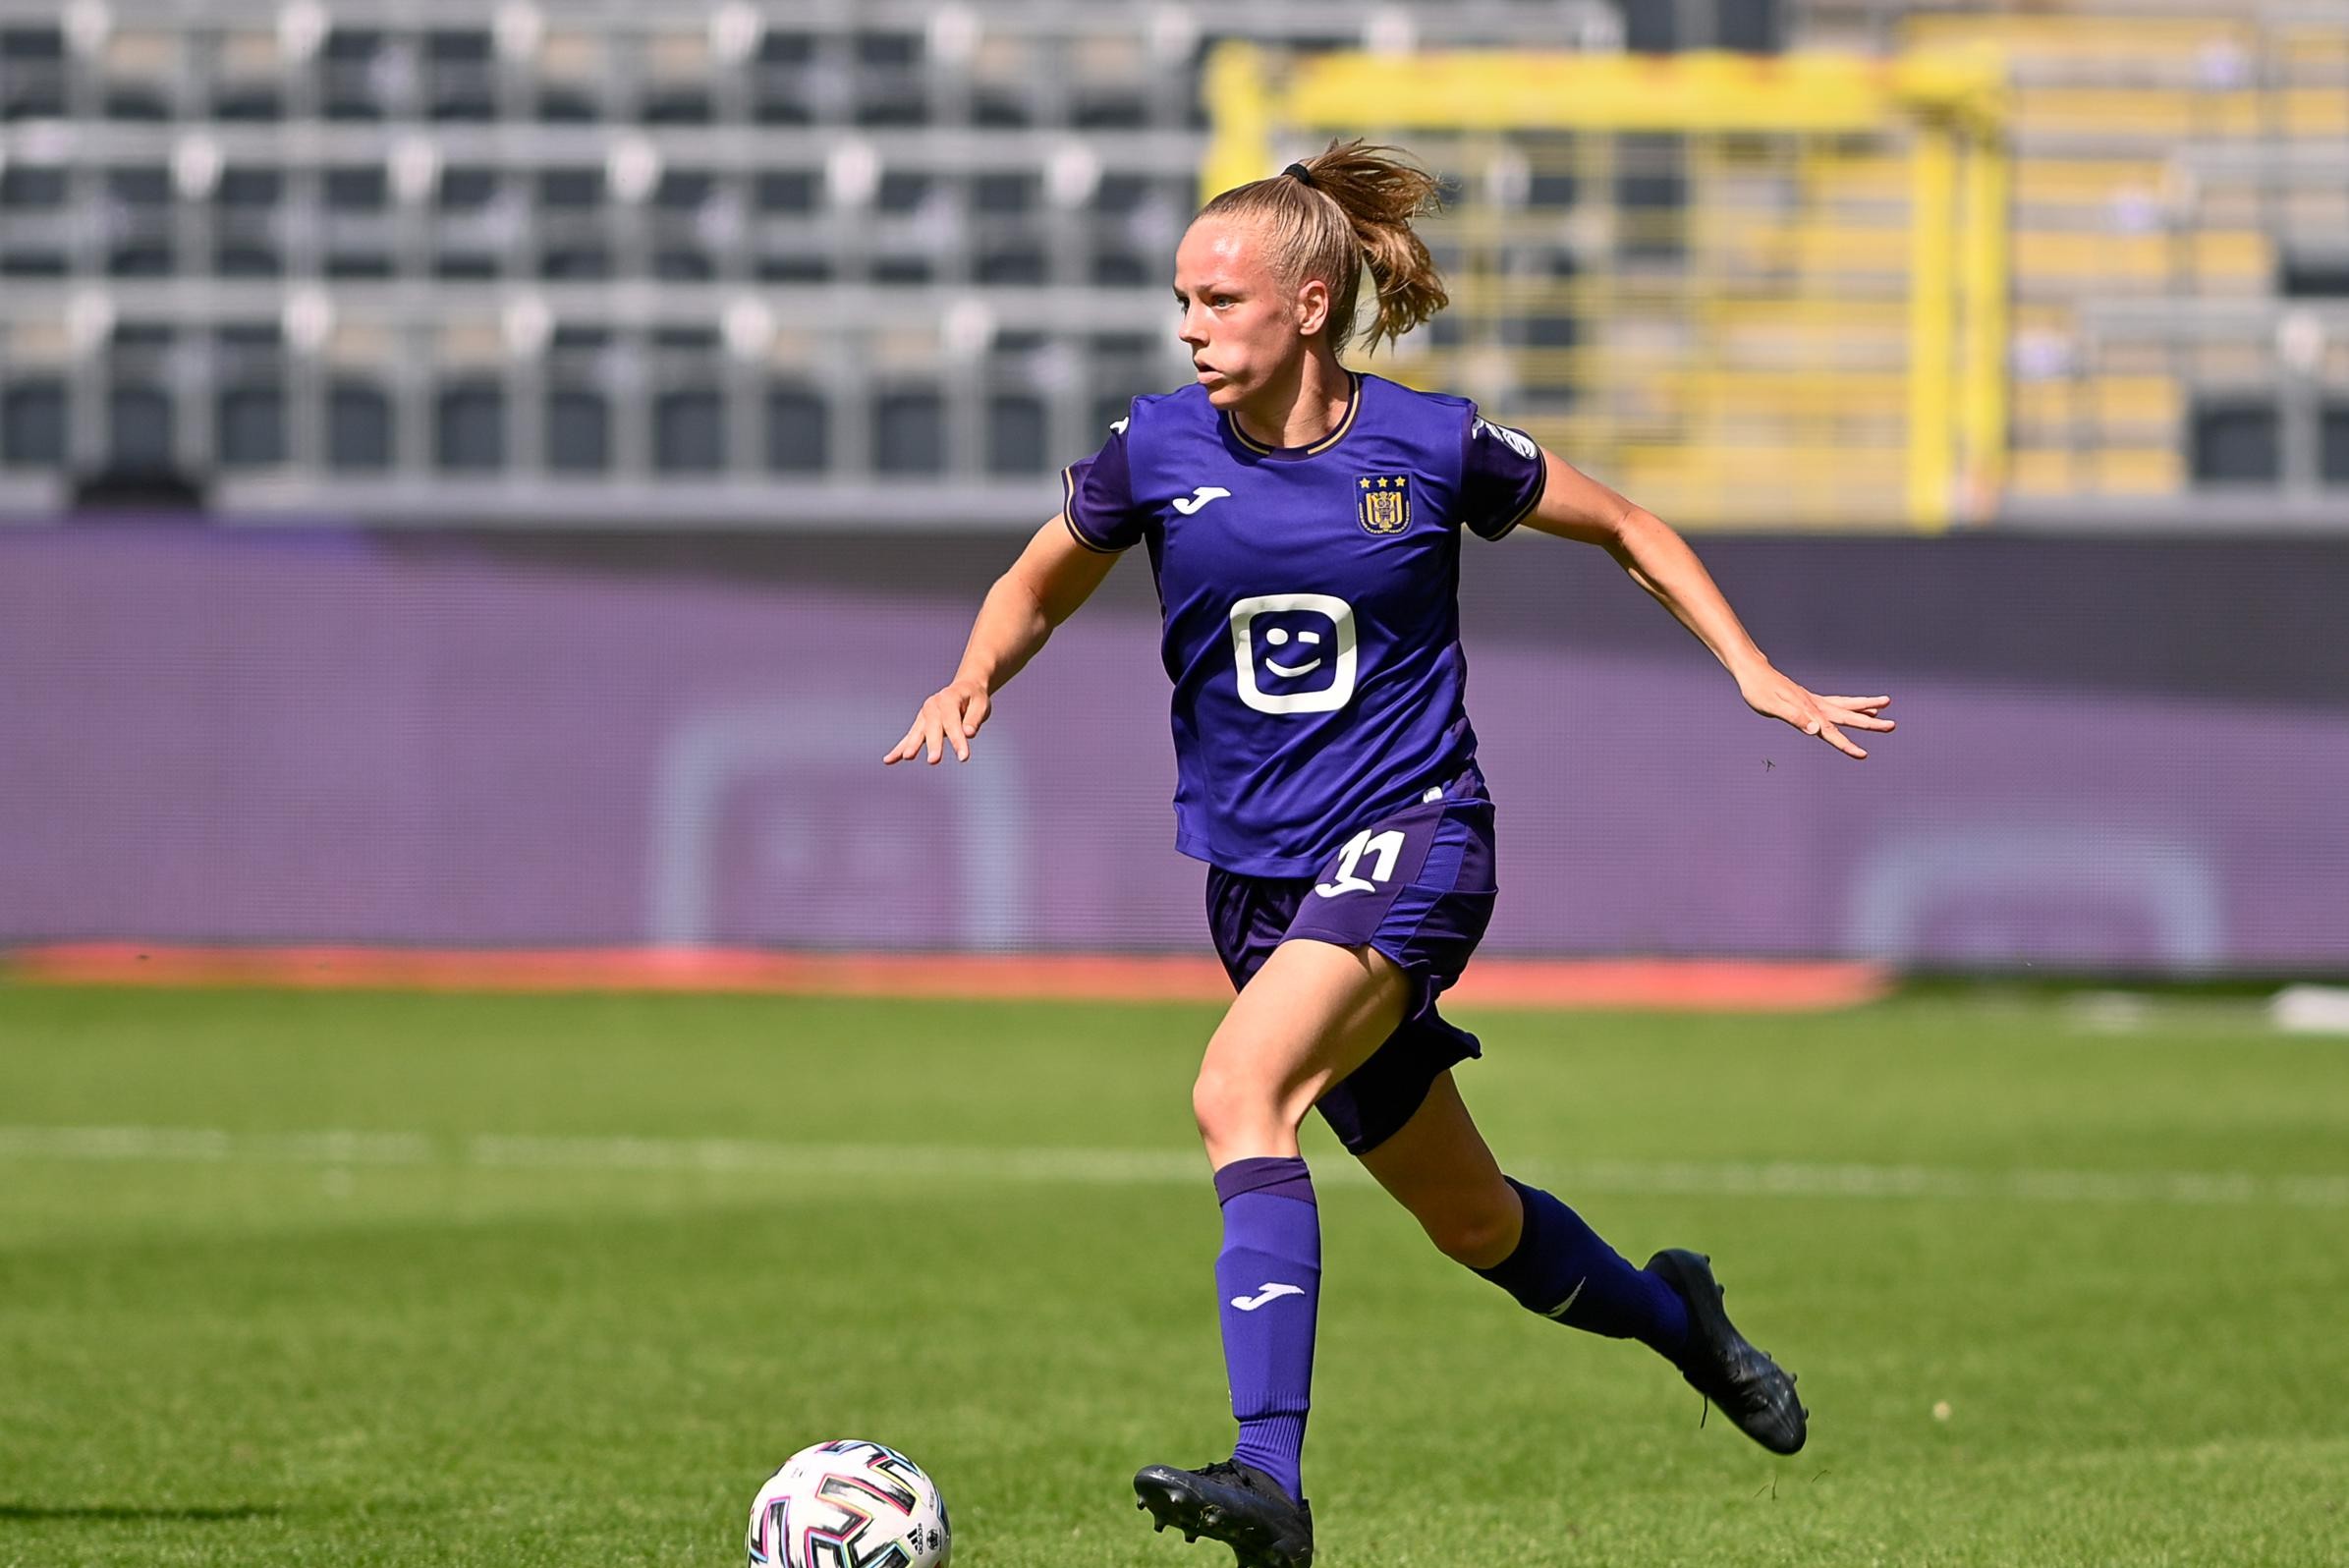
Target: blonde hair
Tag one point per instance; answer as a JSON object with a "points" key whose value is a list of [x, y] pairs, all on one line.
{"points": [[1330, 215]]}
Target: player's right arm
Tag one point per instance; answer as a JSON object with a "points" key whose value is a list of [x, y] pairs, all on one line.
{"points": [[1053, 576]]}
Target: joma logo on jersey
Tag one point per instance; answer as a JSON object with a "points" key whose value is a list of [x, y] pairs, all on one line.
{"points": [[1386, 500]]}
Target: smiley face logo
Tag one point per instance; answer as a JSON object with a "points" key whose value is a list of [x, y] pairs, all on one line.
{"points": [[1282, 643], [1275, 637]]}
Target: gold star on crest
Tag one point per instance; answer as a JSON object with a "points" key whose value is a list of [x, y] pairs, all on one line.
{"points": [[1366, 485]]}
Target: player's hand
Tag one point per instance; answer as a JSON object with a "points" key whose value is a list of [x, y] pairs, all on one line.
{"points": [[949, 719], [1773, 696]]}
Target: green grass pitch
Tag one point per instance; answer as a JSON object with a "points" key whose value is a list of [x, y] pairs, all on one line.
{"points": [[397, 1279]]}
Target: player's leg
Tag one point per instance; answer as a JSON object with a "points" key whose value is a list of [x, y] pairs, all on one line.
{"points": [[1310, 1014], [1313, 1014], [1401, 1114], [1520, 1237], [1543, 1254], [1328, 967]]}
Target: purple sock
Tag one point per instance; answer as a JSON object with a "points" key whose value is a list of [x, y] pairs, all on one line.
{"points": [[1562, 1269], [1268, 1293]]}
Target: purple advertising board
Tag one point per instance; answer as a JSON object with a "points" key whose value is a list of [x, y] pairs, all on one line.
{"points": [[2112, 755]]}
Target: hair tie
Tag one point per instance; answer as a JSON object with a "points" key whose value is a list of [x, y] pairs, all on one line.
{"points": [[1305, 176]]}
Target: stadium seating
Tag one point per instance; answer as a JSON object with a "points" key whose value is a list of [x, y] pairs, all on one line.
{"points": [[460, 261], [2157, 148], [565, 260]]}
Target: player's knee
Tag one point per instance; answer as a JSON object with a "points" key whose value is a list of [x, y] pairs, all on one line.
{"points": [[1234, 1109], [1222, 1104], [1478, 1232]]}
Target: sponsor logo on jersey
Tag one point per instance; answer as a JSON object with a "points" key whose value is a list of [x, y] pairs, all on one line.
{"points": [[1293, 652], [1386, 500]]}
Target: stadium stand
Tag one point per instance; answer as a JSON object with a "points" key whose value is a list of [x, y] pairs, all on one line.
{"points": [[572, 262], [2161, 235], [856, 265]]}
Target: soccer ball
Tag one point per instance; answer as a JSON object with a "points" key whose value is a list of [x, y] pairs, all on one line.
{"points": [[848, 1504]]}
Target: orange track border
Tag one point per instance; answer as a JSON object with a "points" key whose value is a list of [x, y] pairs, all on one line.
{"points": [[1670, 985]]}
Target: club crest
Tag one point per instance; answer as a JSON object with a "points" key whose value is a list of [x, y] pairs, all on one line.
{"points": [[1385, 502]]}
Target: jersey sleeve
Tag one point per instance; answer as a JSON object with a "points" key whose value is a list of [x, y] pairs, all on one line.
{"points": [[1097, 497], [1502, 475]]}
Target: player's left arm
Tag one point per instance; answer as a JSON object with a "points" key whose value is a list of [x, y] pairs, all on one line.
{"points": [[1574, 506]]}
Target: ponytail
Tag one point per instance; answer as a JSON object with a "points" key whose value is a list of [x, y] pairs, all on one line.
{"points": [[1345, 209]]}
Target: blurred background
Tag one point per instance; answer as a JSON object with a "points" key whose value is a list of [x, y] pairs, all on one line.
{"points": [[493, 478]]}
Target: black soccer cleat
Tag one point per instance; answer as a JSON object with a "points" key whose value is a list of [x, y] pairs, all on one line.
{"points": [[1234, 1503], [1743, 1383]]}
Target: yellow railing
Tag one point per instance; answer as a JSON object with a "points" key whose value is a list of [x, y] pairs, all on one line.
{"points": [[1939, 117]]}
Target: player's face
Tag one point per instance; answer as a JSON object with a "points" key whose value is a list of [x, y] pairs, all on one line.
{"points": [[1244, 330]]}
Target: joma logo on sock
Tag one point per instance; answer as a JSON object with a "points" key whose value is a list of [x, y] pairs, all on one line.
{"points": [[1268, 1291]]}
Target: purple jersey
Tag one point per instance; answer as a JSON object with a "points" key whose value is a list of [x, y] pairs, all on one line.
{"points": [[1312, 601]]}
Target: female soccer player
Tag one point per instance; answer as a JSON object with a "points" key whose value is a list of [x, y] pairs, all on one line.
{"points": [[1304, 520]]}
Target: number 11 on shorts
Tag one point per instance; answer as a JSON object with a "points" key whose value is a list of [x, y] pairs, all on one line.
{"points": [[1381, 847]]}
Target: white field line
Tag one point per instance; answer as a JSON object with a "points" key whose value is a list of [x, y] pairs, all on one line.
{"points": [[1144, 1168]]}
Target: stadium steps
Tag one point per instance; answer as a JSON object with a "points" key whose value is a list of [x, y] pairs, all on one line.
{"points": [[1767, 484], [2057, 191], [2135, 471], [2085, 42], [2074, 261], [1820, 253], [2119, 406], [2108, 434], [2107, 110]]}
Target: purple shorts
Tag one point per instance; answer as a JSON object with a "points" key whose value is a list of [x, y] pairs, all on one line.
{"points": [[1418, 887]]}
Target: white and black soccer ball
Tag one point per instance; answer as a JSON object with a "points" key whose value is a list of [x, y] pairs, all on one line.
{"points": [[848, 1504]]}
